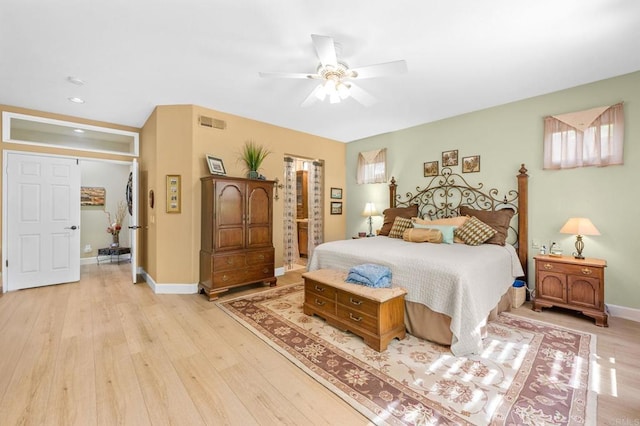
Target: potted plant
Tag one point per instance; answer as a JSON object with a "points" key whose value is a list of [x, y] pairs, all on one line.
{"points": [[253, 155]]}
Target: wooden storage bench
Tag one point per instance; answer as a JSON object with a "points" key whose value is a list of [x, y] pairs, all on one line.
{"points": [[375, 314]]}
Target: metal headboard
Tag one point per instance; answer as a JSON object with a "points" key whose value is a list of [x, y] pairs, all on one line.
{"points": [[448, 191]]}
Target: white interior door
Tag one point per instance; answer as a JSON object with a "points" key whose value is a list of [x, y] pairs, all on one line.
{"points": [[42, 220], [132, 197]]}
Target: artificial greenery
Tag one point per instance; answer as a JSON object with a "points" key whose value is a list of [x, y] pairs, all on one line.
{"points": [[253, 155]]}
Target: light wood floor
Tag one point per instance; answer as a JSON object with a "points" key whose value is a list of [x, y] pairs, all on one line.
{"points": [[106, 352]]}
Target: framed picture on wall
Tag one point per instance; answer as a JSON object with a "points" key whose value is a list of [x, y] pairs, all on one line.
{"points": [[336, 207], [471, 164], [336, 193], [174, 196], [216, 166], [450, 158], [430, 168]]}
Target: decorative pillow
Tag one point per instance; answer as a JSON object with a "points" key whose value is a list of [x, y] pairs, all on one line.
{"points": [[451, 221], [391, 214], [474, 232], [447, 231], [499, 220], [422, 235], [400, 224]]}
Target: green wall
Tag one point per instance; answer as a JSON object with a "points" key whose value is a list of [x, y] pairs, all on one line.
{"points": [[510, 134]]}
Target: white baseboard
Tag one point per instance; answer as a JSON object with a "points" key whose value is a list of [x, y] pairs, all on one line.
{"points": [[624, 312], [279, 271], [88, 260], [168, 288]]}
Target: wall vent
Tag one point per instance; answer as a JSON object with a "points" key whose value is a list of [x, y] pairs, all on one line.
{"points": [[213, 123]]}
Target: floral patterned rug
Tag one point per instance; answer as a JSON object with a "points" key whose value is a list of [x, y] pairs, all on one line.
{"points": [[531, 373]]}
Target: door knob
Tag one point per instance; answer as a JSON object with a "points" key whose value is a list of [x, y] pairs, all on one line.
{"points": [[73, 227]]}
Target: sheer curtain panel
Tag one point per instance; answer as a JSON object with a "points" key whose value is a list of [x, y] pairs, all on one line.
{"points": [[585, 138], [372, 166], [291, 252]]}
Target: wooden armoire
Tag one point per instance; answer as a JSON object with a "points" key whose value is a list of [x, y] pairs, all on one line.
{"points": [[237, 234]]}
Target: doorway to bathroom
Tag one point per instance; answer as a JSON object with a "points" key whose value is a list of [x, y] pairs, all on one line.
{"points": [[303, 223]]}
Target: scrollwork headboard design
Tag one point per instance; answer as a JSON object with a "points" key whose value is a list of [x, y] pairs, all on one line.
{"points": [[448, 191]]}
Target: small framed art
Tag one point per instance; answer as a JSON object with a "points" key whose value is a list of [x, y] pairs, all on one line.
{"points": [[471, 164], [450, 158], [336, 193], [430, 168], [173, 194], [216, 166], [336, 207]]}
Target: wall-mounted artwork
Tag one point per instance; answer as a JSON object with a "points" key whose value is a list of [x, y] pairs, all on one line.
{"points": [[336, 207], [174, 201], [430, 168], [92, 196], [471, 164], [450, 158]]}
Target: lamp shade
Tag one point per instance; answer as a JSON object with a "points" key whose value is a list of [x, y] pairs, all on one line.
{"points": [[579, 226], [369, 210]]}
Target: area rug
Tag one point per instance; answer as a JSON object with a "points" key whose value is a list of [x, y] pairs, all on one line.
{"points": [[530, 373]]}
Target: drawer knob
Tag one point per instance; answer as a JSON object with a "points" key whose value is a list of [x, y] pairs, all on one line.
{"points": [[265, 271], [587, 271], [356, 319], [320, 302], [229, 261], [261, 257], [318, 288], [355, 301], [225, 278], [548, 266]]}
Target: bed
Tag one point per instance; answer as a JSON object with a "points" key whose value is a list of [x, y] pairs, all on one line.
{"points": [[453, 289]]}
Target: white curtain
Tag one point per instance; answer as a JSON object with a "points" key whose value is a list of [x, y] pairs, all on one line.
{"points": [[315, 196], [372, 166], [585, 138], [291, 252]]}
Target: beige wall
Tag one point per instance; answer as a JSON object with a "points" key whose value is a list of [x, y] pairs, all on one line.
{"points": [[174, 143], [510, 134]]}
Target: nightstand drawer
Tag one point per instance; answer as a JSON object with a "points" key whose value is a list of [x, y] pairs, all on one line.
{"points": [[565, 268]]}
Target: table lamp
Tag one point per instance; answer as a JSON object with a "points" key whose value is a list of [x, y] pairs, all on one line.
{"points": [[370, 210], [579, 226]]}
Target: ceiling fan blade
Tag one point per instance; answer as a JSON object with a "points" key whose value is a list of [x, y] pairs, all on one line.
{"points": [[314, 96], [326, 50], [287, 75], [380, 70], [361, 96]]}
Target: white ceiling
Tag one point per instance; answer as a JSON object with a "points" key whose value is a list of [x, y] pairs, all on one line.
{"points": [[462, 55]]}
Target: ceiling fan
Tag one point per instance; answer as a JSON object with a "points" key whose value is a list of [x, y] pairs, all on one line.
{"points": [[335, 76]]}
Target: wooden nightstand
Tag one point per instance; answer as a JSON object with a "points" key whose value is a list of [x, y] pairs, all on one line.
{"points": [[571, 283]]}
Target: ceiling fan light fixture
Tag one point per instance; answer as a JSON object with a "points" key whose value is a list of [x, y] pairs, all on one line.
{"points": [[334, 98], [343, 90]]}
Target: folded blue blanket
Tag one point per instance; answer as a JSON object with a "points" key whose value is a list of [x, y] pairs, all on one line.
{"points": [[370, 275]]}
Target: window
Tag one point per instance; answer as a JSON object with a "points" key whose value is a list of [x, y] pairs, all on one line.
{"points": [[372, 167], [31, 130], [585, 138]]}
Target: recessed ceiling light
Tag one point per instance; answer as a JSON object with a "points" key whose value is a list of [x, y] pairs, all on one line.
{"points": [[78, 130], [75, 80], [76, 100]]}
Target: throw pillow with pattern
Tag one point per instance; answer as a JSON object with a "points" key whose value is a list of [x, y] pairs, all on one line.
{"points": [[474, 232], [400, 224]]}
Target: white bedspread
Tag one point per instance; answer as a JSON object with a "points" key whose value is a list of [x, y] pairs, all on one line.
{"points": [[458, 280]]}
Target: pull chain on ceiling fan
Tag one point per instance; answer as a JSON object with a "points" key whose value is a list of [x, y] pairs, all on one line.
{"points": [[337, 79]]}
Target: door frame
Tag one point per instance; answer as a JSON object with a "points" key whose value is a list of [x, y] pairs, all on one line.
{"points": [[5, 153]]}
